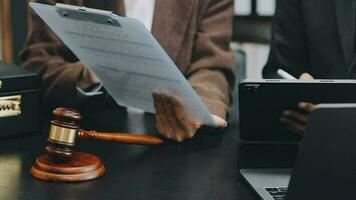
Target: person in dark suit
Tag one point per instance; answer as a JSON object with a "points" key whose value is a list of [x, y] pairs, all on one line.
{"points": [[195, 33], [312, 39]]}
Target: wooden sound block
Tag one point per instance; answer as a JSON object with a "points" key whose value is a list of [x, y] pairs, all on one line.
{"points": [[82, 167]]}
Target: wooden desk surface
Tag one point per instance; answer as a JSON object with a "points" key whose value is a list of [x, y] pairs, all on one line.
{"points": [[203, 168]]}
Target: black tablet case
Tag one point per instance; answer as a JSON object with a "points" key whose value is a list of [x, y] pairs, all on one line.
{"points": [[261, 105], [20, 101]]}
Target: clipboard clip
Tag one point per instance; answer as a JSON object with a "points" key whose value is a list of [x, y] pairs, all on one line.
{"points": [[66, 7]]}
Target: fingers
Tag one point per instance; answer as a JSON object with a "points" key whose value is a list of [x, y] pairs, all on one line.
{"points": [[160, 118], [294, 126], [297, 121], [180, 114], [188, 126], [296, 116], [168, 114], [219, 121], [308, 107], [176, 131], [197, 124], [165, 123], [172, 119], [306, 77]]}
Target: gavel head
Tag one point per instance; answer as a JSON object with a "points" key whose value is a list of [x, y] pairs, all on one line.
{"points": [[62, 135]]}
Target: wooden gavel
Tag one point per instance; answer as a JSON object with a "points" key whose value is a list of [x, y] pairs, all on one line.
{"points": [[65, 129]]}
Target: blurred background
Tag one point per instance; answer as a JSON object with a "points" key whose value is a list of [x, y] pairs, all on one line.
{"points": [[252, 33]]}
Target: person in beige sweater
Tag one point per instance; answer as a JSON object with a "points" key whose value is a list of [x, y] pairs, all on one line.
{"points": [[195, 34]]}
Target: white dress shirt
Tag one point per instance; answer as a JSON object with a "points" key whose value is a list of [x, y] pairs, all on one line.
{"points": [[142, 10]]}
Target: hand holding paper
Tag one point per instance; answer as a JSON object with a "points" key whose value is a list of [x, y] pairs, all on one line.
{"points": [[173, 122], [124, 56]]}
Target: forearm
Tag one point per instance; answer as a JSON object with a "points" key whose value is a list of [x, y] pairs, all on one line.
{"points": [[289, 43], [59, 78], [60, 70], [214, 90], [212, 70]]}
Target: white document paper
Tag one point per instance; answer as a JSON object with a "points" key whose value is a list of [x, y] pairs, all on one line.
{"points": [[125, 57]]}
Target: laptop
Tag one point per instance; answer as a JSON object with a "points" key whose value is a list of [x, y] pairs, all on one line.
{"points": [[326, 164]]}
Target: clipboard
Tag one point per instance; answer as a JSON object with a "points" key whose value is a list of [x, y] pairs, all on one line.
{"points": [[123, 54]]}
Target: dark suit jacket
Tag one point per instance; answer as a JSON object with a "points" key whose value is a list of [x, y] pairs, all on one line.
{"points": [[195, 33], [314, 36]]}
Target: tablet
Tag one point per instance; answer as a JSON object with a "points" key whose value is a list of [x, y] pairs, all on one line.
{"points": [[261, 103]]}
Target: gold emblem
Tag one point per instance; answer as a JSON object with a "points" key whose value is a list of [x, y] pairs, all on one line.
{"points": [[10, 106]]}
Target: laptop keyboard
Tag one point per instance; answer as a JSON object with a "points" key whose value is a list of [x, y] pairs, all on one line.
{"points": [[277, 193]]}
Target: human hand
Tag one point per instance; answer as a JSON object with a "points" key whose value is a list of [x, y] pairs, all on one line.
{"points": [[306, 77], [173, 122], [297, 121]]}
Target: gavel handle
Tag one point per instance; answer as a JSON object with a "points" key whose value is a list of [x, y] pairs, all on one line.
{"points": [[120, 137]]}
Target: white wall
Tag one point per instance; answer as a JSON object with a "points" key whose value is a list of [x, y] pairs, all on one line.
{"points": [[264, 7], [256, 57], [256, 54]]}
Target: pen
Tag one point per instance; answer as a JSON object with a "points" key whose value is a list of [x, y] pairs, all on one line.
{"points": [[285, 75]]}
